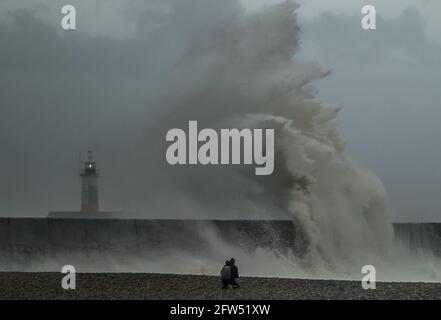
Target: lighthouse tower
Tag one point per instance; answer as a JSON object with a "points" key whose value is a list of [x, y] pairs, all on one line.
{"points": [[89, 195], [89, 186]]}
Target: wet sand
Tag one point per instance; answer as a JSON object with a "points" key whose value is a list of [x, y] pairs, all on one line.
{"points": [[170, 286]]}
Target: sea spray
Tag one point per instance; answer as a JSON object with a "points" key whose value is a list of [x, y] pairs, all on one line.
{"points": [[243, 73]]}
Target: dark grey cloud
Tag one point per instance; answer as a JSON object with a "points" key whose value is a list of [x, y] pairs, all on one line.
{"points": [[63, 92]]}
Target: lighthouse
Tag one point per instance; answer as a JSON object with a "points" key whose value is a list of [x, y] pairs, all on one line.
{"points": [[89, 185], [89, 195]]}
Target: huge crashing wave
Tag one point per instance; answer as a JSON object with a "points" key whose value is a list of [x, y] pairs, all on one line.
{"points": [[243, 73]]}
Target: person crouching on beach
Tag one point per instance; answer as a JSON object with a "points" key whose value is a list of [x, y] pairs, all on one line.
{"points": [[229, 274]]}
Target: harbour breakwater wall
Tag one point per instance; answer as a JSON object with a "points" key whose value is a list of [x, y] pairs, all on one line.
{"points": [[424, 237], [40, 244]]}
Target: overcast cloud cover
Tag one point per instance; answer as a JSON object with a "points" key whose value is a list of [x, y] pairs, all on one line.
{"points": [[64, 92]]}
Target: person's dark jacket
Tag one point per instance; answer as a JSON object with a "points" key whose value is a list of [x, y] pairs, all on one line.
{"points": [[234, 271]]}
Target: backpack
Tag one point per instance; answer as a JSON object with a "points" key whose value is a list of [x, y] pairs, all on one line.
{"points": [[226, 273]]}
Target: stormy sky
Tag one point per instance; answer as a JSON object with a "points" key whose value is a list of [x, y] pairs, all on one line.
{"points": [[64, 92]]}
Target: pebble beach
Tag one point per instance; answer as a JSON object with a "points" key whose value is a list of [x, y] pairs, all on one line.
{"points": [[122, 286]]}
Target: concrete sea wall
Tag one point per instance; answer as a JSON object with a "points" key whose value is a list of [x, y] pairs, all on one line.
{"points": [[36, 244], [40, 244], [420, 236]]}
